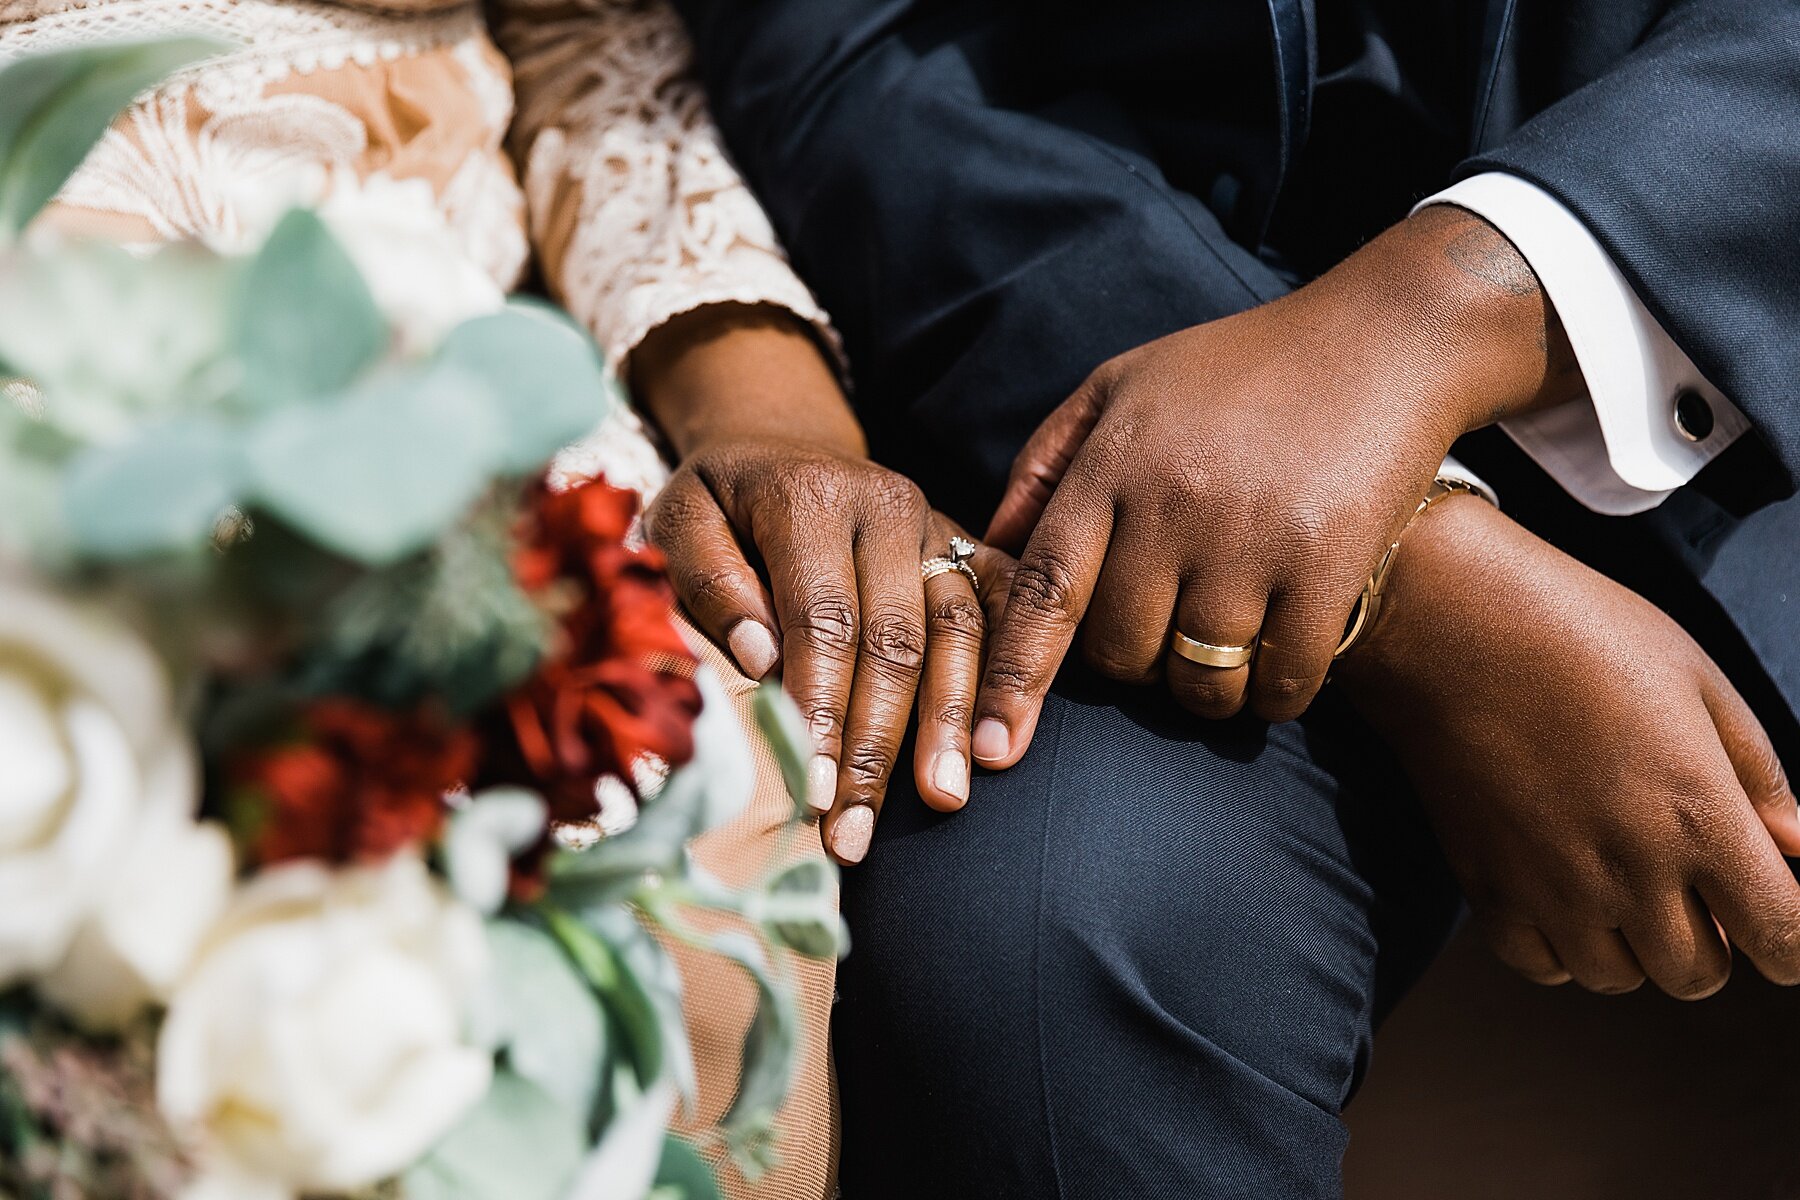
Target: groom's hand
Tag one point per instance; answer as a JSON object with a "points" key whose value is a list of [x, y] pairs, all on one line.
{"points": [[1612, 806], [1237, 481]]}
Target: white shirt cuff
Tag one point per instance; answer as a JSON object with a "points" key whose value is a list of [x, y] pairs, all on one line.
{"points": [[1651, 420]]}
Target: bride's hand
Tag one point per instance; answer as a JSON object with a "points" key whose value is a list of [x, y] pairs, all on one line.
{"points": [[840, 606], [795, 551]]}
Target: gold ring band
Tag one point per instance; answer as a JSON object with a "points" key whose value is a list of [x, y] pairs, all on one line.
{"points": [[1209, 655], [931, 568]]}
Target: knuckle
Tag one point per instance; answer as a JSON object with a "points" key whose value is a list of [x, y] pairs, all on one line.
{"points": [[710, 587], [1009, 676], [1209, 697], [895, 495], [958, 617], [894, 641], [1114, 662], [1045, 583], [817, 484], [953, 711], [869, 767], [1699, 986], [828, 624], [1776, 948]]}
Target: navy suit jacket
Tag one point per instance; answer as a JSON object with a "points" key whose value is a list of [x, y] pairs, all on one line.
{"points": [[1670, 127]]}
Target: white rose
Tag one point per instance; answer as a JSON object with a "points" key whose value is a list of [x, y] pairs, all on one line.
{"points": [[319, 1043], [416, 266], [92, 759]]}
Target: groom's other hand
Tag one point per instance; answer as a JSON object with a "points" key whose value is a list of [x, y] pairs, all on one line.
{"points": [[1611, 805], [1237, 481]]}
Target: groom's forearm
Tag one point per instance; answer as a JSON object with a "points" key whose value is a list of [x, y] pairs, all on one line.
{"points": [[734, 371]]}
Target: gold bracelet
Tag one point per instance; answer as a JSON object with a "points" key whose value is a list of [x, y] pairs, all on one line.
{"points": [[1368, 605]]}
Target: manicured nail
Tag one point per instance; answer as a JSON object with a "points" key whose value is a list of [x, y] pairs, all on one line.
{"points": [[950, 774], [991, 741], [821, 782], [753, 646], [850, 836]]}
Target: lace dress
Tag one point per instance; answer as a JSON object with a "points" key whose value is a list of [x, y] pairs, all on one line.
{"points": [[445, 164]]}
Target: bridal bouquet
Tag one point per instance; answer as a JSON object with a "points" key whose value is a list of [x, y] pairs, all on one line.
{"points": [[346, 766]]}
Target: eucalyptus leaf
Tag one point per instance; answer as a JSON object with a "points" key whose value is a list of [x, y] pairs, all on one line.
{"points": [[544, 1016], [114, 342], [623, 1166], [799, 909], [382, 471], [784, 729], [683, 1170], [770, 1053], [544, 373], [304, 324], [483, 838], [642, 1000], [517, 1144], [55, 106], [162, 491]]}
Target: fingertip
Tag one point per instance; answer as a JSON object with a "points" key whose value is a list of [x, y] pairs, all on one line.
{"points": [[945, 787], [753, 645], [991, 743], [851, 833]]}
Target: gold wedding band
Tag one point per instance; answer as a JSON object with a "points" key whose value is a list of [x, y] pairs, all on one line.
{"points": [[1209, 655]]}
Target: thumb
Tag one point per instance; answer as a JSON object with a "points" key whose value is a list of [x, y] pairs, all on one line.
{"points": [[1042, 464]]}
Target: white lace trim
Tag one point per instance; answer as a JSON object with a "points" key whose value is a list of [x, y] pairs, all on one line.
{"points": [[665, 223], [280, 37]]}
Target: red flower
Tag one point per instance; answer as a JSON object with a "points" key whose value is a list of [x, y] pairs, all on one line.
{"points": [[360, 783], [619, 684]]}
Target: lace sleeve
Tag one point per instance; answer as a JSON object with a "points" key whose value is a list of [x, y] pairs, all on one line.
{"points": [[637, 213]]}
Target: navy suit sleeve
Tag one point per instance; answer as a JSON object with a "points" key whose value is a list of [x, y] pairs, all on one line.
{"points": [[1684, 160]]}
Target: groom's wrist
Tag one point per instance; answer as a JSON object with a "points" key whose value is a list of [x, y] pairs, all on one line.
{"points": [[1460, 317]]}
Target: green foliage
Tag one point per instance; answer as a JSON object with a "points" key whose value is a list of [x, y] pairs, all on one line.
{"points": [[163, 491], [543, 1017], [379, 472], [544, 375], [639, 999], [450, 622], [682, 1174], [770, 1049], [518, 1144], [54, 107], [798, 909], [116, 343], [304, 324], [784, 729]]}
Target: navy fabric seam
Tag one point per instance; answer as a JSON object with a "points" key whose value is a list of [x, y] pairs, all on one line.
{"points": [[1493, 79], [1037, 952], [1101, 148]]}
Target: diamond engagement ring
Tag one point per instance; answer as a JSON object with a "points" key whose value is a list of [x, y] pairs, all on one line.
{"points": [[961, 551]]}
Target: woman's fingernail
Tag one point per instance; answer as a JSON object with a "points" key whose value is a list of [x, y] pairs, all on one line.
{"points": [[991, 741], [950, 774], [753, 646], [821, 782], [850, 836]]}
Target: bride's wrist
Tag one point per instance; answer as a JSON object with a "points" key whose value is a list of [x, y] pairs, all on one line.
{"points": [[733, 372]]}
